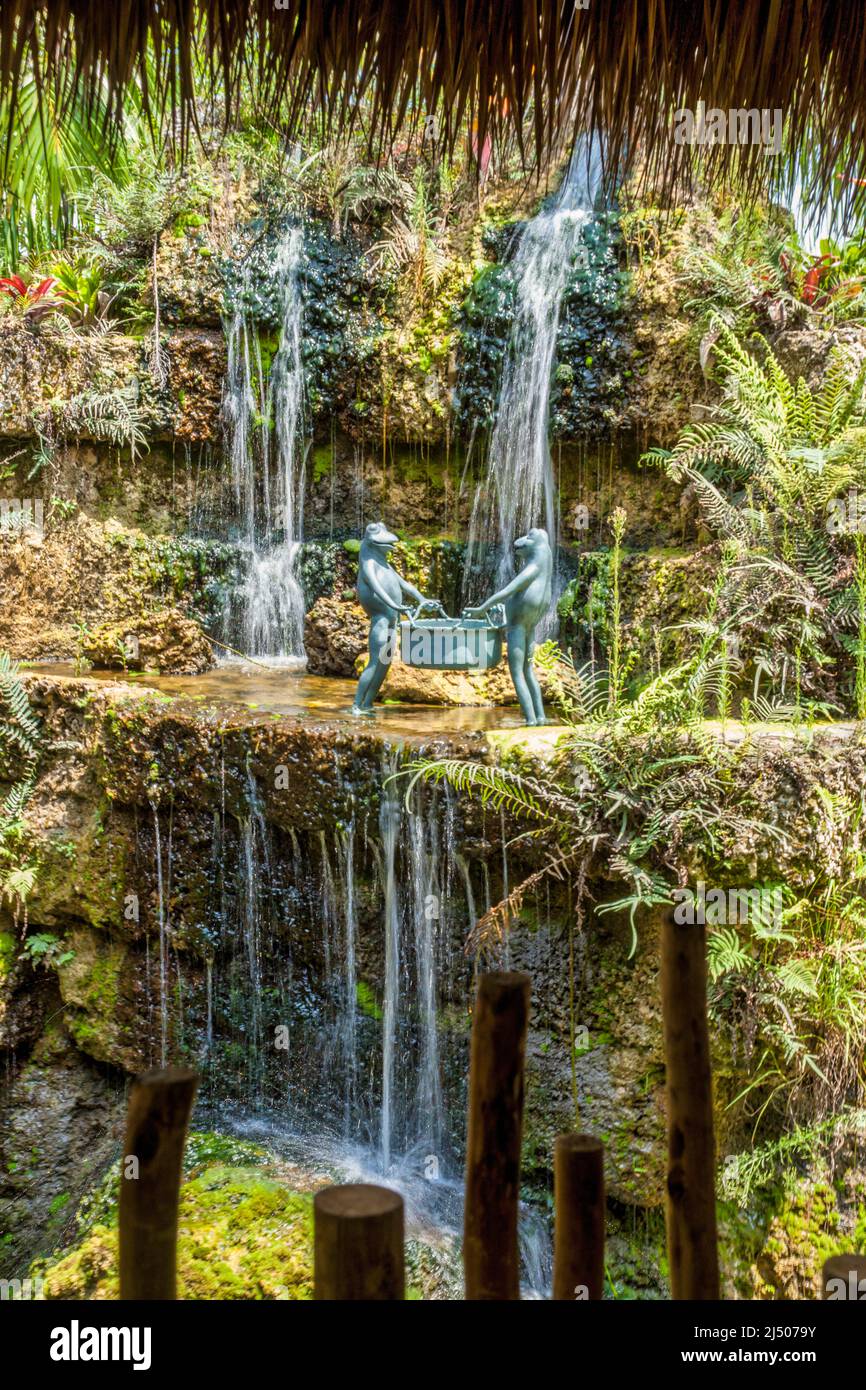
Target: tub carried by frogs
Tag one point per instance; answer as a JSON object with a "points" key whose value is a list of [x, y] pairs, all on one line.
{"points": [[452, 644]]}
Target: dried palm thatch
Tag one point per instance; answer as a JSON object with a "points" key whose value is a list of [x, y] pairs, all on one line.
{"points": [[530, 70]]}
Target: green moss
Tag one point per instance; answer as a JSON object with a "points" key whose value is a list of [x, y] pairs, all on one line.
{"points": [[241, 1234], [367, 1000], [323, 462], [7, 952]]}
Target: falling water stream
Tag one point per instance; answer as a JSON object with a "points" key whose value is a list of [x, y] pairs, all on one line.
{"points": [[519, 488], [266, 452]]}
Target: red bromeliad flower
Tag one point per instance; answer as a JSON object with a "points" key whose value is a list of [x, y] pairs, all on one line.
{"points": [[14, 286], [36, 297], [813, 278]]}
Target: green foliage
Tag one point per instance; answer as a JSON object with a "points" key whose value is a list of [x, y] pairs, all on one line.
{"points": [[647, 795], [46, 950], [801, 983], [79, 287], [780, 1162], [57, 148], [739, 276], [768, 472], [19, 749], [413, 248], [114, 416]]}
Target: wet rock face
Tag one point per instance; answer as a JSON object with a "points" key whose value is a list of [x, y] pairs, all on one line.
{"points": [[337, 324], [616, 1089], [196, 364], [166, 642], [62, 1117]]}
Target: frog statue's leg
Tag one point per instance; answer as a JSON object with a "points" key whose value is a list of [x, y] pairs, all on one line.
{"points": [[380, 647], [532, 680], [519, 659]]}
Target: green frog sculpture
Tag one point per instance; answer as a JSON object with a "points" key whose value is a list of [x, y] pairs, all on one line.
{"points": [[527, 600], [381, 594]]}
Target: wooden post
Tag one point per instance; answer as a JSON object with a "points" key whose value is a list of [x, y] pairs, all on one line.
{"points": [[160, 1103], [358, 1244], [490, 1252], [691, 1177], [851, 1271], [578, 1242]]}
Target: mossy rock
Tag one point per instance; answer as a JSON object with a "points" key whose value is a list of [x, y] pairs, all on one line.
{"points": [[242, 1234]]}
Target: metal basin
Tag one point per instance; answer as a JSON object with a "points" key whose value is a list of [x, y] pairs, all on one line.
{"points": [[451, 644]]}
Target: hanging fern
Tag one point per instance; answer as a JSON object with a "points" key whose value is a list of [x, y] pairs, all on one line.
{"points": [[19, 746]]}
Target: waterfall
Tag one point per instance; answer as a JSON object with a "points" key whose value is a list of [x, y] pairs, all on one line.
{"points": [[427, 911], [163, 943], [346, 849], [255, 859], [268, 474], [389, 822], [519, 488], [334, 992]]}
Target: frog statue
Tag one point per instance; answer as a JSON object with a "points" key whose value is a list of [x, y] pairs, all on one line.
{"points": [[380, 594], [527, 600]]}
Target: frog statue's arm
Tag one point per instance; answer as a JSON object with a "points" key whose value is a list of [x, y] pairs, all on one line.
{"points": [[412, 591], [406, 587], [520, 581], [370, 577]]}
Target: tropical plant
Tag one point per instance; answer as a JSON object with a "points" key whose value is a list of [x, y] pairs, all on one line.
{"points": [[35, 298], [78, 286], [55, 144], [780, 1161], [834, 281], [413, 245], [19, 752], [641, 791], [114, 416], [794, 991], [46, 950], [767, 472], [740, 277]]}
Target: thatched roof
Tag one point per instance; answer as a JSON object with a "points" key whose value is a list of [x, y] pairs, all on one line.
{"points": [[530, 69]]}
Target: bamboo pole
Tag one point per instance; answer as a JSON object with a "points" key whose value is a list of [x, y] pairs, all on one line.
{"points": [[691, 1185], [578, 1242], [358, 1243], [851, 1271], [490, 1252], [160, 1103]]}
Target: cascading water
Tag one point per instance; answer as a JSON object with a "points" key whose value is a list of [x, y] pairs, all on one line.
{"points": [[163, 943], [337, 959], [519, 488], [264, 420]]}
